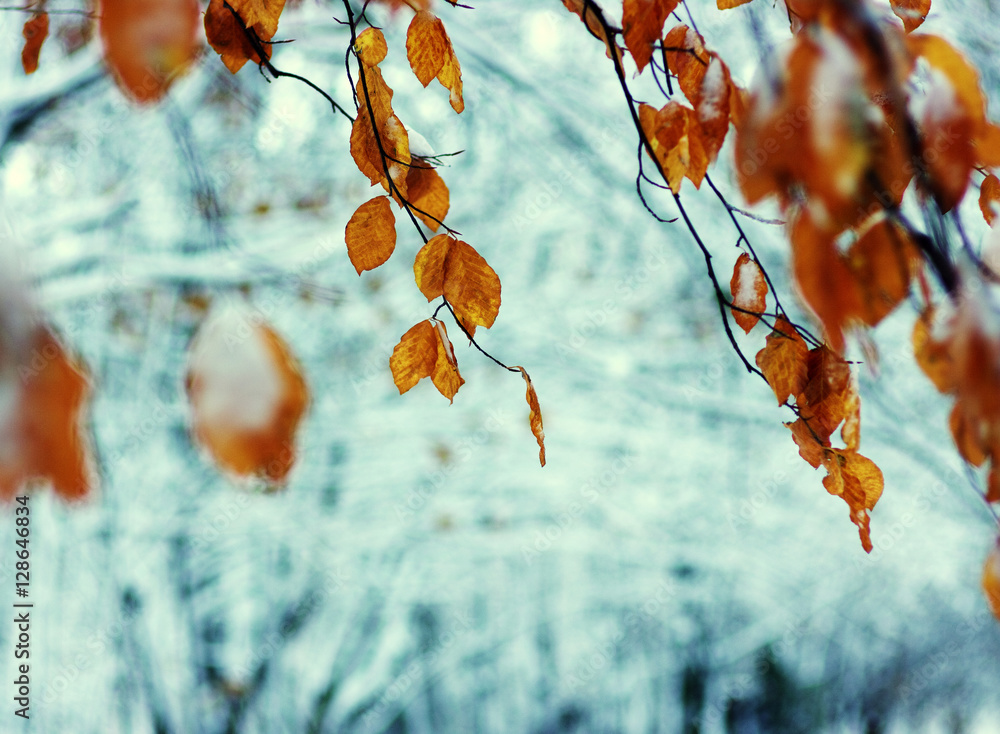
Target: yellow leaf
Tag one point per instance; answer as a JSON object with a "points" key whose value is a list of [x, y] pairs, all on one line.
{"points": [[452, 268], [445, 375], [371, 46], [427, 193]]}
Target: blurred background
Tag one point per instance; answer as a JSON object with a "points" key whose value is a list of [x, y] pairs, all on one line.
{"points": [[676, 567]]}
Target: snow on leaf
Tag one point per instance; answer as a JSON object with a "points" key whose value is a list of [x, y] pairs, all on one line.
{"points": [[642, 21], [688, 59], [784, 361], [445, 375], [431, 55], [427, 192], [247, 395], [534, 415], [371, 47], [41, 428], [850, 432], [35, 31], [989, 195], [749, 291], [912, 12], [415, 356], [148, 43], [857, 480], [371, 234]]}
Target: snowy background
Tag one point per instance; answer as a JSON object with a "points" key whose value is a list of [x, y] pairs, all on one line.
{"points": [[676, 567]]}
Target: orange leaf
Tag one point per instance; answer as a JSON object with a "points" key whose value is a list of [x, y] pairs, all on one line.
{"points": [[415, 357], [667, 132], [728, 4], [965, 436], [452, 268], [445, 375], [859, 482], [534, 415], [35, 31], [688, 59], [912, 12], [933, 356], [431, 55], [989, 193], [749, 291], [148, 43], [247, 395], [586, 13], [883, 261], [784, 361], [371, 47], [850, 432], [810, 447], [823, 403], [642, 21], [991, 580], [371, 234], [427, 192], [41, 424], [228, 38]]}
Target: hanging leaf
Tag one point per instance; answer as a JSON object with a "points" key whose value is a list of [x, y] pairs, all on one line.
{"points": [[427, 193], [371, 47], [371, 234], [989, 195], [247, 395], [415, 357], [227, 37], [451, 268], [991, 580], [824, 401], [784, 361], [932, 355], [445, 375], [642, 21], [431, 55], [912, 12], [41, 420], [857, 480], [811, 448], [375, 98], [148, 43], [728, 4], [883, 262], [534, 415], [35, 31], [749, 291]]}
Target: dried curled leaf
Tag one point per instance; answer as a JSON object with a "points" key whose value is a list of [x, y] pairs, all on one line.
{"points": [[749, 291], [784, 361], [41, 422], [859, 482], [534, 415], [148, 43], [825, 400], [431, 55], [379, 141], [35, 31], [247, 395], [371, 234], [445, 376], [642, 22], [453, 269]]}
